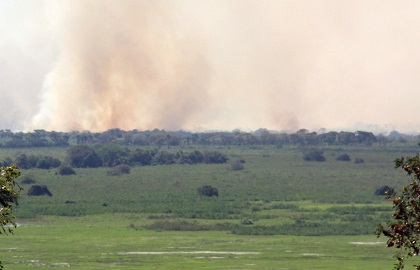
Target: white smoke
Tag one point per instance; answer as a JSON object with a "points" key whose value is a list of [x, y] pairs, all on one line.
{"points": [[216, 64]]}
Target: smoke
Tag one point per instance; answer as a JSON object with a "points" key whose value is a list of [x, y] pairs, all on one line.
{"points": [[122, 64], [187, 64]]}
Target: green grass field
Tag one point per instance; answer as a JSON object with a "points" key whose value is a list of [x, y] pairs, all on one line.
{"points": [[280, 212], [108, 242]]}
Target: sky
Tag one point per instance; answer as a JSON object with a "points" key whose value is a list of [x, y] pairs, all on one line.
{"points": [[210, 65]]}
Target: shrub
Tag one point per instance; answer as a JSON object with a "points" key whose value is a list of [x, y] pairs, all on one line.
{"points": [[384, 190], [343, 157], [40, 162], [143, 157], [43, 163], [21, 161], [237, 166], [28, 179], [83, 156], [314, 155], [112, 155], [65, 170], [36, 190], [214, 157], [163, 157], [247, 222], [208, 191], [359, 161]]}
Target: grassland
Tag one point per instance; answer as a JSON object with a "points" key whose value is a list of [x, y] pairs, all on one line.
{"points": [[108, 242], [280, 212]]}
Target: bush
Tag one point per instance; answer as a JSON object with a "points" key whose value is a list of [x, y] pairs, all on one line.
{"points": [[65, 170], [41, 162], [359, 161], [237, 166], [83, 156], [343, 157], [208, 191], [214, 157], [163, 158], [28, 179], [37, 190], [120, 169], [384, 190], [247, 222], [314, 155], [143, 157], [112, 155]]}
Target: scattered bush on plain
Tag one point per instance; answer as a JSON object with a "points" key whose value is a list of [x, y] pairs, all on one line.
{"points": [[38, 190], [343, 157], [359, 161], [28, 179], [65, 170], [208, 191], [314, 155], [119, 170], [236, 166], [384, 190]]}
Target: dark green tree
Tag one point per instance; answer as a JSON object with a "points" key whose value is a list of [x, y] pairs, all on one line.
{"points": [[403, 231], [112, 154], [83, 156], [22, 161], [141, 156], [9, 193]]}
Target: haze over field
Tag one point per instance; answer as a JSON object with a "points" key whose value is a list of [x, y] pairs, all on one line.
{"points": [[210, 64]]}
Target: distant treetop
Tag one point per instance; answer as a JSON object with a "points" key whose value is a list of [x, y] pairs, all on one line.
{"points": [[161, 138]]}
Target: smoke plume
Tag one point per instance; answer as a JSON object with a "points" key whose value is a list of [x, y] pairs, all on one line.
{"points": [[210, 64], [122, 64]]}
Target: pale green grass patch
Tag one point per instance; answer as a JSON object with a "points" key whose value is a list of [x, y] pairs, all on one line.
{"points": [[107, 241]]}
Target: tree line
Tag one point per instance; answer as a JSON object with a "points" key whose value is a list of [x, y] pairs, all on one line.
{"points": [[85, 156], [111, 155], [162, 138]]}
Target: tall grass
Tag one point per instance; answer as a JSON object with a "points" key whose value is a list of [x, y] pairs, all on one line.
{"points": [[268, 191]]}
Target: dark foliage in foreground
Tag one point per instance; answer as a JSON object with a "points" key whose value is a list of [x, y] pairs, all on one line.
{"points": [[403, 231], [9, 194]]}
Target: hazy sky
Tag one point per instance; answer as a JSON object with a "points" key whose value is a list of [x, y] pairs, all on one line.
{"points": [[210, 64]]}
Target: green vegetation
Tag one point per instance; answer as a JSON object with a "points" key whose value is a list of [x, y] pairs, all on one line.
{"points": [[110, 241], [9, 193], [403, 231], [125, 198]]}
